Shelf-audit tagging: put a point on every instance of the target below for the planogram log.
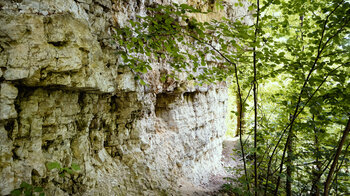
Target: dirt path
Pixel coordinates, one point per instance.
(215, 183)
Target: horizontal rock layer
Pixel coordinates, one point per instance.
(64, 99)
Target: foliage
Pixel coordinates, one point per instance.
(27, 190)
(169, 34)
(295, 57)
(63, 170)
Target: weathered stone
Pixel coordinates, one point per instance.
(16, 74)
(75, 105)
(8, 94)
(8, 91)
(7, 111)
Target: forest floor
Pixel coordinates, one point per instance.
(229, 160)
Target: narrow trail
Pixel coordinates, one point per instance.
(229, 159)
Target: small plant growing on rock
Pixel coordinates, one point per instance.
(27, 190)
(63, 170)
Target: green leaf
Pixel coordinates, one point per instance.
(143, 70)
(26, 186)
(142, 82)
(251, 8)
(53, 165)
(68, 170)
(75, 167)
(163, 78)
(38, 189)
(141, 43)
(16, 192)
(28, 193)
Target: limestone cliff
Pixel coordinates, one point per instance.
(64, 99)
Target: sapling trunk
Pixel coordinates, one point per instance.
(240, 115)
(289, 164)
(336, 157)
(315, 190)
(255, 101)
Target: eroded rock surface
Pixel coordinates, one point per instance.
(64, 99)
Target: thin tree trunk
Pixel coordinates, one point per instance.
(240, 134)
(289, 164)
(316, 173)
(342, 161)
(283, 156)
(240, 115)
(240, 109)
(255, 102)
(336, 157)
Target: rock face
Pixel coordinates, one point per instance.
(64, 99)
